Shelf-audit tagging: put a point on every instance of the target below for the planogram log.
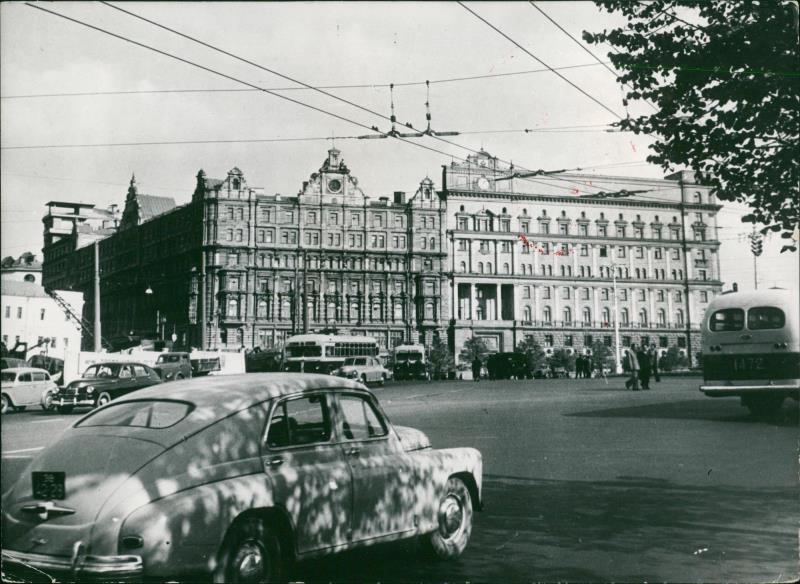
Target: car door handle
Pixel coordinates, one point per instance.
(353, 452)
(273, 462)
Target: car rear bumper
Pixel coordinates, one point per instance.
(734, 390)
(85, 568)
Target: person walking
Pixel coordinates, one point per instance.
(643, 356)
(654, 362)
(578, 367)
(633, 363)
(476, 368)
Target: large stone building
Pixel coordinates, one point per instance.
(539, 256)
(494, 253)
(236, 267)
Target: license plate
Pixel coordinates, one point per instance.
(741, 364)
(49, 485)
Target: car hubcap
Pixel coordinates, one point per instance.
(249, 562)
(451, 516)
(103, 400)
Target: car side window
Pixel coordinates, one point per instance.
(299, 422)
(38, 376)
(24, 377)
(360, 421)
(124, 372)
(139, 371)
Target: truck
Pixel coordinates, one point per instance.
(410, 362)
(173, 366)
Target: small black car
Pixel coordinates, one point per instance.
(508, 365)
(103, 382)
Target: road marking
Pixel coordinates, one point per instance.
(47, 421)
(21, 450)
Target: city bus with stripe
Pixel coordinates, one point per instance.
(751, 348)
(321, 353)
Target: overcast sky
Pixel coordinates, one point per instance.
(325, 44)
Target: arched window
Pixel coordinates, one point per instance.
(480, 267)
(526, 313)
(624, 316)
(424, 243)
(489, 268)
(563, 271)
(541, 270)
(261, 311)
(524, 269)
(398, 311)
(549, 270)
(547, 315)
(674, 274)
(638, 273)
(569, 270)
(587, 315)
(233, 307)
(679, 316)
(643, 317)
(354, 311)
(567, 315)
(236, 184)
(433, 243)
(644, 273)
(463, 266)
(506, 269)
(606, 316)
(662, 317)
(429, 311)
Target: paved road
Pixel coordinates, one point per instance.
(583, 482)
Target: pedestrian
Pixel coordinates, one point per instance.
(587, 367)
(633, 364)
(643, 356)
(476, 368)
(654, 362)
(579, 367)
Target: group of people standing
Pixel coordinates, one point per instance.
(642, 363)
(583, 367)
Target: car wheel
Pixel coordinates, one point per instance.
(102, 399)
(250, 553)
(179, 376)
(47, 401)
(364, 378)
(454, 521)
(383, 378)
(6, 404)
(64, 409)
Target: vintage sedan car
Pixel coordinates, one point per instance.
(234, 477)
(103, 382)
(21, 387)
(364, 369)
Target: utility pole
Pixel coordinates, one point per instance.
(682, 206)
(617, 357)
(756, 246)
(98, 345)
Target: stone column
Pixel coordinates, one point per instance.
(473, 301)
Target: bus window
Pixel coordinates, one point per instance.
(729, 319)
(765, 317)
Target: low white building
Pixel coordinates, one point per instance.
(30, 315)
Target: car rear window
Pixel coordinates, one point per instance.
(765, 317)
(728, 319)
(155, 414)
(8, 376)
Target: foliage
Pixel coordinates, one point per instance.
(724, 78)
(673, 360)
(440, 359)
(533, 352)
(602, 356)
(560, 358)
(473, 347)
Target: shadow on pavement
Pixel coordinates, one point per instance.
(630, 529)
(709, 410)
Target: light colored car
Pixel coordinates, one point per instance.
(235, 476)
(364, 369)
(25, 386)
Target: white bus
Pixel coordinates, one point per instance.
(751, 348)
(315, 353)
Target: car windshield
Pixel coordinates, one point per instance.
(405, 356)
(355, 361)
(8, 376)
(155, 414)
(102, 371)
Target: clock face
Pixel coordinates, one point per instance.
(483, 183)
(334, 185)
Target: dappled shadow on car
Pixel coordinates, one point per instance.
(715, 410)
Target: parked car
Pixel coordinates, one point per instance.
(102, 383)
(365, 369)
(234, 477)
(173, 366)
(23, 387)
(53, 365)
(508, 365)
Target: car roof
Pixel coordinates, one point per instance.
(26, 370)
(116, 363)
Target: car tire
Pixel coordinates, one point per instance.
(102, 399)
(5, 405)
(64, 409)
(364, 378)
(383, 378)
(454, 517)
(179, 376)
(47, 402)
(251, 552)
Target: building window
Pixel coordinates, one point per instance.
(679, 316)
(661, 316)
(604, 294)
(603, 251)
(547, 316)
(8, 312)
(19, 312)
(546, 293)
(583, 229)
(567, 313)
(563, 229)
(463, 224)
(568, 342)
(462, 245)
(624, 316)
(678, 296)
(626, 341)
(526, 292)
(544, 227)
(638, 233)
(643, 317)
(587, 316)
(525, 226)
(620, 232)
(703, 298)
(584, 250)
(607, 340)
(601, 230)
(681, 342)
(548, 340)
(505, 225)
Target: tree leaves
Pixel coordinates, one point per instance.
(725, 76)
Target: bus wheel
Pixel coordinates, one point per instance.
(763, 406)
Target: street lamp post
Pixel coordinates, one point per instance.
(617, 359)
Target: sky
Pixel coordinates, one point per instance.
(368, 45)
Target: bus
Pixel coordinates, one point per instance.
(410, 362)
(751, 348)
(319, 353)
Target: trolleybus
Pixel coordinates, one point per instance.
(318, 353)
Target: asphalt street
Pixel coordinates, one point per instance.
(583, 481)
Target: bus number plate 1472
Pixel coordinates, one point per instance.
(742, 364)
